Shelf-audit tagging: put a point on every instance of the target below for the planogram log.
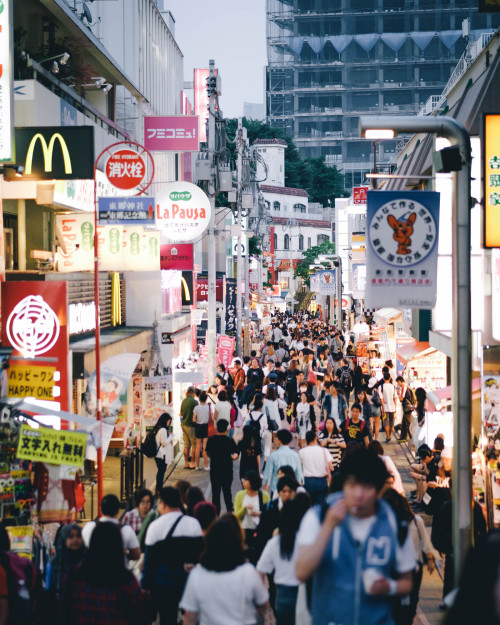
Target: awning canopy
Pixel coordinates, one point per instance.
(414, 348)
(442, 396)
(383, 316)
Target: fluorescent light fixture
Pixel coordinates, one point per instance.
(383, 133)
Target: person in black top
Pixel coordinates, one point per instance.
(222, 451)
(269, 520)
(250, 449)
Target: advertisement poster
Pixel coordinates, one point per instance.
(115, 376)
(52, 446)
(225, 350)
(230, 306)
(402, 249)
(177, 256)
(182, 211)
(176, 133)
(155, 397)
(491, 405)
(324, 282)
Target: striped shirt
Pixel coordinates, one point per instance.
(332, 445)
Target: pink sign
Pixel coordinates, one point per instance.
(177, 133)
(201, 99)
(225, 350)
(177, 256)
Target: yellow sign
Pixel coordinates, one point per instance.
(31, 381)
(492, 181)
(47, 153)
(52, 446)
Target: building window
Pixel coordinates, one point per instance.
(299, 208)
(277, 206)
(323, 238)
(275, 241)
(286, 242)
(301, 242)
(309, 243)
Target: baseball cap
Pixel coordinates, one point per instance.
(372, 382)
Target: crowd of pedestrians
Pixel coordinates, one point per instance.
(320, 531)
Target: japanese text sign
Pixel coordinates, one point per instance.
(231, 306)
(402, 248)
(125, 169)
(225, 350)
(491, 189)
(359, 195)
(31, 381)
(52, 446)
(177, 133)
(176, 256)
(138, 210)
(182, 211)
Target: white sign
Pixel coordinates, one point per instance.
(32, 327)
(6, 95)
(182, 211)
(323, 282)
(81, 318)
(402, 247)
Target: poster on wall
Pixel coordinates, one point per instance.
(155, 397)
(402, 249)
(115, 376)
(491, 405)
(141, 249)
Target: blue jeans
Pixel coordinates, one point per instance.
(317, 487)
(286, 600)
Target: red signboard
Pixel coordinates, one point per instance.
(359, 194)
(225, 350)
(35, 326)
(274, 290)
(175, 133)
(180, 257)
(202, 290)
(125, 169)
(201, 100)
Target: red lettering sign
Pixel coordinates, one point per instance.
(177, 256)
(125, 169)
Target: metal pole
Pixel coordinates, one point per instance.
(211, 244)
(461, 327)
(100, 474)
(339, 293)
(239, 267)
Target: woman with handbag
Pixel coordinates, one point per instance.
(272, 406)
(303, 419)
(249, 504)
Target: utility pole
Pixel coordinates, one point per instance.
(212, 255)
(239, 266)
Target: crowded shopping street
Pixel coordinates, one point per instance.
(249, 329)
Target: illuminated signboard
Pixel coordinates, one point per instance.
(6, 81)
(61, 153)
(491, 176)
(177, 133)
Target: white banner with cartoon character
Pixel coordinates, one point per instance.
(402, 249)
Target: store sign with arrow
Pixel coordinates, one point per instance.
(126, 211)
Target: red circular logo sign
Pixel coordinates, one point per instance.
(125, 169)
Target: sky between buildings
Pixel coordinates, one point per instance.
(233, 33)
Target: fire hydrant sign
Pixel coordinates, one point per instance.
(125, 169)
(31, 381)
(402, 249)
(52, 446)
(182, 211)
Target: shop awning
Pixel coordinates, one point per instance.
(412, 349)
(383, 316)
(442, 396)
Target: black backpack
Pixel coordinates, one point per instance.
(345, 377)
(149, 447)
(255, 426)
(376, 401)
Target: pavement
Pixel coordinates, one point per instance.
(428, 612)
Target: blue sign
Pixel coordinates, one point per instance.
(402, 249)
(126, 211)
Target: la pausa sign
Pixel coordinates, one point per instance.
(183, 211)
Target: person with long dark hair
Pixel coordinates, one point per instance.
(103, 591)
(223, 589)
(164, 441)
(421, 395)
(279, 557)
(250, 451)
(333, 440)
(69, 553)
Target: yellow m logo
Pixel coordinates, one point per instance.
(47, 153)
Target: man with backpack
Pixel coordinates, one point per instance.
(408, 403)
(350, 548)
(344, 377)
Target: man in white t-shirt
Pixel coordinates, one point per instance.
(173, 543)
(388, 405)
(316, 465)
(110, 507)
(355, 532)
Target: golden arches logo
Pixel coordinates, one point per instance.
(47, 153)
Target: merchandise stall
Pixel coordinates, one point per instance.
(423, 365)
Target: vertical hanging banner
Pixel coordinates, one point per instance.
(231, 306)
(225, 350)
(402, 249)
(201, 100)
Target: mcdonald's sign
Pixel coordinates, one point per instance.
(60, 153)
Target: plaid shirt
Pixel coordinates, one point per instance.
(99, 606)
(134, 519)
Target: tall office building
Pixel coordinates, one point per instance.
(330, 61)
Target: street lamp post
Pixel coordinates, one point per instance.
(385, 127)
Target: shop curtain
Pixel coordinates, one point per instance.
(422, 40)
